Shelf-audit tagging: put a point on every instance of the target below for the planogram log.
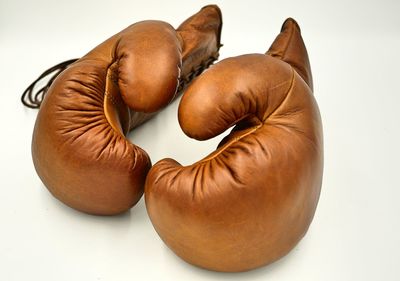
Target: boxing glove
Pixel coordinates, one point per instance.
(79, 146)
(250, 201)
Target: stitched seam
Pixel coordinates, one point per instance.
(112, 77)
(289, 91)
(231, 143)
(255, 128)
(110, 98)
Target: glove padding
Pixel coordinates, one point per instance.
(249, 202)
(79, 147)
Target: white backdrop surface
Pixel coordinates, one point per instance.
(354, 51)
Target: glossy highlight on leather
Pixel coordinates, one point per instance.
(79, 147)
(250, 201)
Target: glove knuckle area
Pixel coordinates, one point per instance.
(232, 90)
(79, 156)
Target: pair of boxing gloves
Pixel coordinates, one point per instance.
(246, 204)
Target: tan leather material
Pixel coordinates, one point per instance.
(79, 147)
(148, 46)
(208, 24)
(249, 202)
(289, 47)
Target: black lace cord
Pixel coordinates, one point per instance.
(33, 100)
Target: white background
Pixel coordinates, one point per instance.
(354, 50)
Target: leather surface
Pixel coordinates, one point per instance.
(251, 200)
(79, 147)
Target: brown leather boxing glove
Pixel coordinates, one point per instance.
(79, 147)
(249, 202)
